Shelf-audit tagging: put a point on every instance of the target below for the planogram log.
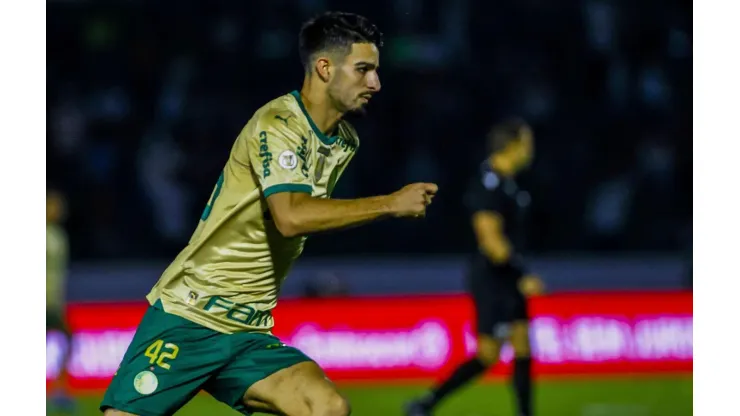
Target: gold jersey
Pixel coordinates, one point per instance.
(57, 256)
(229, 275)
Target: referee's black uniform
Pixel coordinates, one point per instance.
(495, 287)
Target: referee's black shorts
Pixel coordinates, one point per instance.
(498, 301)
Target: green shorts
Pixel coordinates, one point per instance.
(171, 359)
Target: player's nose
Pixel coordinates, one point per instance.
(373, 82)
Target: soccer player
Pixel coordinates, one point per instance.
(497, 278)
(210, 319)
(57, 253)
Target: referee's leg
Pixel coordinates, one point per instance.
(520, 342)
(490, 315)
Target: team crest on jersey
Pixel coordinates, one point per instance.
(288, 160)
(146, 382)
(304, 155)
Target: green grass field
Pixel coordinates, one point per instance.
(608, 397)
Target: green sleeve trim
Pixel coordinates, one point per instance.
(287, 187)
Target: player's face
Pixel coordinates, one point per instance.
(356, 79)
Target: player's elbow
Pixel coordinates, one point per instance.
(288, 225)
(286, 213)
(291, 223)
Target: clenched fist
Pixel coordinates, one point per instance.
(412, 200)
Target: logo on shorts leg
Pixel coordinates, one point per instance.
(273, 346)
(146, 382)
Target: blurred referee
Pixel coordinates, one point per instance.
(498, 280)
(57, 256)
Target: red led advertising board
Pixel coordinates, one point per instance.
(424, 337)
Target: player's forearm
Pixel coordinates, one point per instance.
(313, 215)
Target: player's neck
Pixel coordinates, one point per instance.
(318, 106)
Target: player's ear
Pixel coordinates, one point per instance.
(323, 69)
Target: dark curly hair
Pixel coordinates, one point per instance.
(335, 31)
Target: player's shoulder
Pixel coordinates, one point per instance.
(282, 113)
(279, 116)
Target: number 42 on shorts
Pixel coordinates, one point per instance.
(156, 354)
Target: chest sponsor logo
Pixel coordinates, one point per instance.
(243, 314)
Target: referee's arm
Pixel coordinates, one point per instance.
(493, 243)
(489, 233)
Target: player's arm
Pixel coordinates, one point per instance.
(299, 213)
(287, 188)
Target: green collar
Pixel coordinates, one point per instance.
(323, 137)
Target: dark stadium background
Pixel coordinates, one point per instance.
(144, 99)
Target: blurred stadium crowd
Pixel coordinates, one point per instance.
(145, 98)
